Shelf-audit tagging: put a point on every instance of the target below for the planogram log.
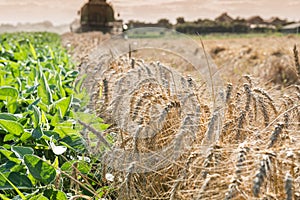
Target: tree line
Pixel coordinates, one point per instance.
(222, 24)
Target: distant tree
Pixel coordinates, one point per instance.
(240, 20)
(180, 20)
(165, 23)
(198, 21)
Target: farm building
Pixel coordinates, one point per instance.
(291, 28)
(224, 17)
(275, 21)
(255, 20)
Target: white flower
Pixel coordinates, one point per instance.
(86, 159)
(57, 150)
(109, 177)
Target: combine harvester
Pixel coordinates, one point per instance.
(97, 15)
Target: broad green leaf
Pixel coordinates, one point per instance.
(13, 186)
(9, 137)
(15, 68)
(40, 169)
(64, 104)
(75, 142)
(10, 156)
(44, 91)
(25, 136)
(37, 133)
(20, 55)
(12, 127)
(20, 151)
(21, 181)
(12, 105)
(8, 116)
(7, 91)
(55, 194)
(52, 134)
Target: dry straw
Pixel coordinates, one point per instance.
(247, 161)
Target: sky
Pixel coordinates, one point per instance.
(65, 11)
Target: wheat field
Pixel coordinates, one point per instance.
(176, 139)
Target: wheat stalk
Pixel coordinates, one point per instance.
(264, 169)
(228, 92)
(275, 134)
(288, 187)
(296, 58)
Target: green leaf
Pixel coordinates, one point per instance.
(101, 126)
(9, 137)
(65, 128)
(43, 107)
(33, 52)
(15, 68)
(52, 134)
(25, 136)
(40, 169)
(13, 186)
(82, 166)
(10, 156)
(55, 194)
(7, 91)
(64, 104)
(56, 118)
(44, 91)
(12, 127)
(79, 83)
(75, 142)
(73, 73)
(12, 105)
(36, 116)
(2, 196)
(88, 118)
(8, 116)
(20, 152)
(59, 85)
(39, 197)
(37, 133)
(19, 180)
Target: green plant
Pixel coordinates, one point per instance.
(42, 152)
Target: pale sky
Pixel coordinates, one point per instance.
(65, 11)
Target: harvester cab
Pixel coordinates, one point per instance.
(97, 15)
